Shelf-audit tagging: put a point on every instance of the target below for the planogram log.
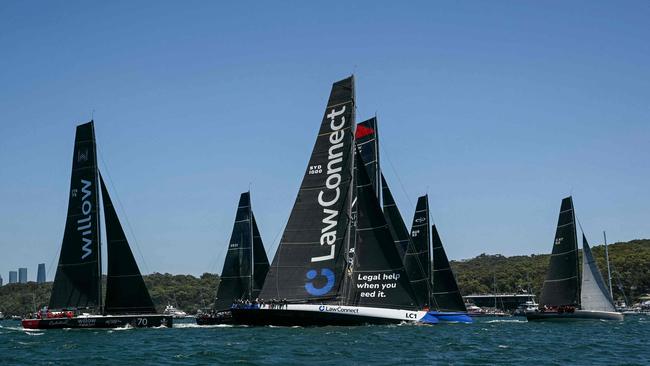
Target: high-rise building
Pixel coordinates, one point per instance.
(40, 277)
(22, 275)
(13, 276)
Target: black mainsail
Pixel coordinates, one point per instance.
(367, 141)
(417, 259)
(260, 260)
(77, 281)
(398, 229)
(378, 278)
(126, 292)
(561, 286)
(445, 294)
(236, 281)
(310, 261)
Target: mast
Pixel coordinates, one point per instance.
(609, 273)
(252, 256)
(98, 178)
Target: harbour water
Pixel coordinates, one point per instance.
(487, 341)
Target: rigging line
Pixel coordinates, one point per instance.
(54, 259)
(580, 225)
(126, 217)
(214, 262)
(390, 162)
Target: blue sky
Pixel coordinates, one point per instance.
(497, 109)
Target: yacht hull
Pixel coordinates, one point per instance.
(323, 315)
(574, 316)
(221, 317)
(451, 317)
(117, 321)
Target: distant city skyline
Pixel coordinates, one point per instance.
(497, 110)
(41, 276)
(13, 277)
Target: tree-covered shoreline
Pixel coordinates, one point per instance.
(630, 262)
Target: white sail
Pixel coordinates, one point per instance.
(594, 294)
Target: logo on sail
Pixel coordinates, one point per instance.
(320, 291)
(84, 224)
(82, 156)
(329, 196)
(558, 241)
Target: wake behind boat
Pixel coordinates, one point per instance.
(76, 299)
(564, 295)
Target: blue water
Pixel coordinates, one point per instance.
(495, 341)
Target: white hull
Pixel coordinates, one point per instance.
(314, 314)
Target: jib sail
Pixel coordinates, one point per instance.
(445, 293)
(594, 294)
(126, 292)
(260, 260)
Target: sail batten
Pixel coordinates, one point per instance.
(77, 283)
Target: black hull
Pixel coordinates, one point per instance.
(577, 315)
(136, 321)
(221, 317)
(300, 318)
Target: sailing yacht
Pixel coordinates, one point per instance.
(244, 268)
(421, 249)
(565, 295)
(337, 263)
(76, 299)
